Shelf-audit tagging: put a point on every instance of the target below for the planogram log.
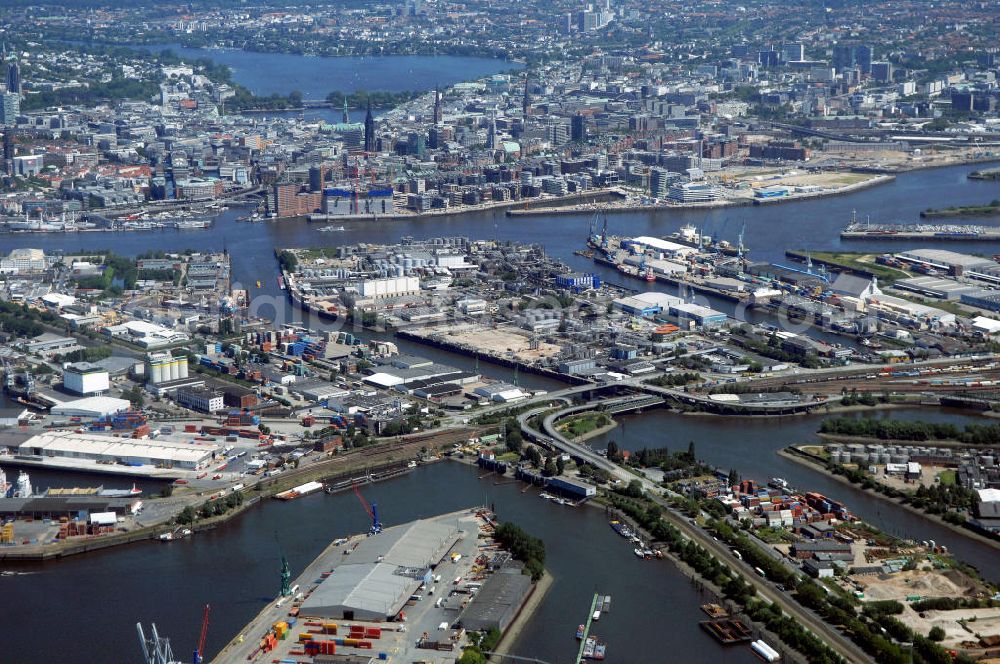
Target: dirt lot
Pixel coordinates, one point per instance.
(503, 341)
(917, 582)
(978, 623)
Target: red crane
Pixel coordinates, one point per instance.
(364, 503)
(201, 639)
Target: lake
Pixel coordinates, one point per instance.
(317, 76)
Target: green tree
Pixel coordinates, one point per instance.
(936, 633)
(550, 467)
(187, 516)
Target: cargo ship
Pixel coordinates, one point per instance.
(94, 491)
(299, 491)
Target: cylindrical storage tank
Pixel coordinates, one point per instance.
(183, 368)
(156, 370)
(175, 371)
(897, 458)
(884, 459)
(835, 457)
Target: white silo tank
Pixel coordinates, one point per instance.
(183, 368)
(156, 370)
(175, 371)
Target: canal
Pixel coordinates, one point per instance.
(750, 445)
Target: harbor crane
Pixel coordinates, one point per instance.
(372, 511)
(200, 652)
(156, 648)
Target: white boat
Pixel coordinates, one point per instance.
(329, 229)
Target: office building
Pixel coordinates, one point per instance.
(10, 108)
(864, 54)
(793, 53)
(201, 399)
(578, 128)
(317, 176)
(882, 72)
(13, 77)
(844, 57)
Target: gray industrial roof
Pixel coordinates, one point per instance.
(383, 571)
(415, 544)
(498, 601)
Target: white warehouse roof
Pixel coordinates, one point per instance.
(92, 407)
(97, 447)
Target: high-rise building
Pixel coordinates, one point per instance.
(10, 108)
(13, 78)
(526, 102)
(369, 129)
(578, 128)
(864, 54)
(587, 20)
(491, 135)
(345, 117)
(437, 106)
(844, 57)
(793, 53)
(882, 72)
(768, 58)
(317, 176)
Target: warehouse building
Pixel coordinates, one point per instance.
(689, 314)
(90, 407)
(497, 603)
(380, 575)
(85, 378)
(575, 488)
(952, 262)
(107, 449)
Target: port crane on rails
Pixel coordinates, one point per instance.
(199, 653)
(156, 648)
(372, 511)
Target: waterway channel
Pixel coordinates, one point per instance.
(235, 569)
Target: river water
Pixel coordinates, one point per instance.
(234, 568)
